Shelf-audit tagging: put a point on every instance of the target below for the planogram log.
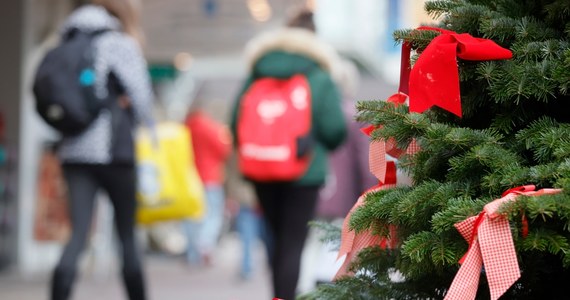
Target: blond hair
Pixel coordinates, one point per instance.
(128, 12)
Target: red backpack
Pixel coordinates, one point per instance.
(273, 129)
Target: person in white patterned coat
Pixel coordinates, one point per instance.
(102, 156)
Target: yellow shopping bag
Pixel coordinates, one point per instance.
(169, 187)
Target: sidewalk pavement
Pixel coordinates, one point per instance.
(168, 278)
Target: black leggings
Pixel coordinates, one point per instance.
(287, 210)
(83, 182)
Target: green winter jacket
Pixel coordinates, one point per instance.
(294, 51)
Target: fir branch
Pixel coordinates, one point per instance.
(446, 252)
(564, 181)
(545, 175)
(457, 210)
(528, 134)
(375, 260)
(438, 8)
(487, 70)
(529, 29)
(561, 72)
(466, 18)
(330, 233)
(566, 260)
(536, 51)
(378, 207)
(540, 207)
(418, 246)
(557, 12)
(479, 161)
(419, 39)
(436, 250)
(546, 140)
(499, 28)
(426, 165)
(368, 111)
(545, 240)
(562, 150)
(416, 208)
(500, 180)
(347, 288)
(505, 122)
(401, 127)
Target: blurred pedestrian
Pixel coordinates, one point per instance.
(247, 215)
(288, 53)
(211, 141)
(348, 177)
(102, 156)
(249, 222)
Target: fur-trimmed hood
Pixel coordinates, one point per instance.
(90, 18)
(296, 41)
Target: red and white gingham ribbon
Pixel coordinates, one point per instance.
(377, 161)
(351, 243)
(385, 171)
(491, 245)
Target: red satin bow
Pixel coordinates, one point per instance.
(490, 245)
(434, 79)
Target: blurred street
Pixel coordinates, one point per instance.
(169, 278)
(195, 53)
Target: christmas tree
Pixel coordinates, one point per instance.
(512, 129)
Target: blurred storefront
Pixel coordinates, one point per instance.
(194, 48)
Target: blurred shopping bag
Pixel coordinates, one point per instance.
(51, 220)
(169, 187)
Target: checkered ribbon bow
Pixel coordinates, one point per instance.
(377, 156)
(491, 245)
(350, 242)
(378, 149)
(385, 171)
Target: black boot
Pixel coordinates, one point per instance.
(61, 283)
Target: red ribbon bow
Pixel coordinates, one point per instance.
(490, 245)
(434, 79)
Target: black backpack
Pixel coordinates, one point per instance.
(64, 84)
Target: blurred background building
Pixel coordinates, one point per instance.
(194, 49)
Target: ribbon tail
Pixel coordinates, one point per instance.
(346, 239)
(405, 68)
(347, 235)
(466, 281)
(377, 159)
(343, 271)
(499, 256)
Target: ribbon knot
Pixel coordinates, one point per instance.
(377, 161)
(490, 245)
